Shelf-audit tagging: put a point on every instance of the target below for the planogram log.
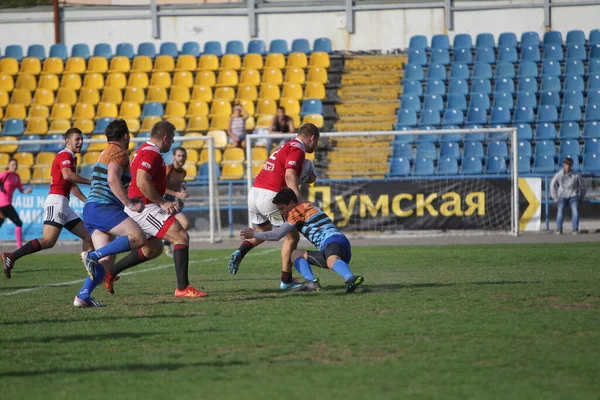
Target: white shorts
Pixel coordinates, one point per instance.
(153, 220)
(262, 209)
(58, 213)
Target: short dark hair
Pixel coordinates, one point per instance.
(72, 131)
(161, 129)
(176, 149)
(116, 130)
(285, 196)
(568, 160)
(282, 108)
(13, 159)
(309, 130)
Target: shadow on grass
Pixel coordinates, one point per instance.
(81, 337)
(162, 367)
(104, 318)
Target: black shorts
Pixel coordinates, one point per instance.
(10, 213)
(335, 248)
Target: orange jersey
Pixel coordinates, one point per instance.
(313, 223)
(100, 191)
(174, 174)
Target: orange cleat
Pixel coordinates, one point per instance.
(189, 291)
(109, 281)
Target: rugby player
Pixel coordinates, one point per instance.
(175, 172)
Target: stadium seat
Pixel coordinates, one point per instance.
(550, 99)
(423, 167)
(482, 71)
(406, 118)
(591, 163)
(447, 166)
(593, 67)
(179, 93)
(174, 109)
(575, 37)
(551, 68)
(471, 166)
(84, 111)
(103, 50)
(547, 114)
(593, 97)
(545, 131)
(225, 93)
(552, 38)
(53, 65)
(49, 81)
(481, 86)
(36, 51)
(459, 70)
(569, 148)
(476, 115)
(323, 45)
(523, 115)
(436, 86)
(510, 54)
(452, 117)
(89, 95)
(417, 57)
(485, 55)
(81, 50)
(157, 94)
(125, 50)
(525, 148)
(458, 86)
(15, 111)
(105, 110)
(500, 115)
(504, 100)
(554, 53)
(117, 80)
(440, 41)
(59, 126)
(21, 96)
(38, 111)
(93, 80)
(134, 94)
(164, 63)
(574, 82)
(7, 82)
(528, 69)
(14, 51)
(543, 164)
(231, 62)
(300, 46)
(592, 112)
(524, 132)
(399, 166)
(85, 125)
(220, 107)
(61, 111)
(30, 65)
(504, 85)
(227, 78)
(571, 114)
(112, 95)
(278, 46)
(463, 41)
(524, 165)
(13, 127)
(591, 129)
(319, 59)
(505, 69)
(251, 76)
(401, 150)
(146, 49)
(412, 87)
(142, 64)
(530, 39)
(545, 148)
(418, 42)
(295, 75)
(59, 50)
(576, 52)
(495, 165)
(190, 48)
(498, 149)
(433, 102)
(569, 130)
(594, 51)
(129, 110)
(413, 72)
(429, 117)
(527, 85)
(257, 47)
(593, 82)
(449, 149)
(234, 47)
(457, 101)
(530, 53)
(316, 119)
(198, 123)
(161, 80)
(168, 49)
(440, 56)
(485, 40)
(26, 82)
(462, 55)
(37, 126)
(551, 84)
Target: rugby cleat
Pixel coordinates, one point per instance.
(86, 303)
(234, 262)
(89, 264)
(109, 281)
(288, 286)
(7, 264)
(353, 282)
(190, 291)
(308, 286)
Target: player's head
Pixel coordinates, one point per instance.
(309, 134)
(179, 156)
(568, 164)
(280, 112)
(13, 164)
(117, 131)
(74, 139)
(162, 135)
(285, 200)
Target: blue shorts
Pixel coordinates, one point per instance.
(337, 244)
(102, 217)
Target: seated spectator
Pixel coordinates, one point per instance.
(237, 127)
(281, 123)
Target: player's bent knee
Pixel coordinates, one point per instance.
(331, 260)
(298, 254)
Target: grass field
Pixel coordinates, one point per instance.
(430, 322)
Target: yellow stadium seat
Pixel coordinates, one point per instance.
(21, 96)
(259, 154)
(149, 122)
(138, 79)
(204, 156)
(25, 174)
(231, 61)
(174, 109)
(98, 65)
(9, 66)
(254, 61)
(133, 124)
(61, 111)
(97, 146)
(192, 156)
(134, 94)
(157, 94)
(160, 79)
(53, 65)
(292, 90)
(59, 126)
(220, 107)
(44, 158)
(67, 96)
(120, 64)
(269, 91)
(186, 62)
(3, 98)
(219, 122)
(320, 59)
(192, 144)
(183, 78)
(26, 81)
(24, 159)
(314, 90)
(90, 157)
(316, 119)
(93, 80)
(297, 60)
(266, 107)
(227, 77)
(317, 74)
(295, 118)
(84, 111)
(89, 95)
(112, 95)
(190, 172)
(202, 93)
(4, 158)
(234, 154)
(295, 75)
(116, 80)
(232, 171)
(106, 110)
(256, 168)
(71, 81)
(250, 123)
(250, 76)
(85, 125)
(225, 93)
(30, 65)
(49, 81)
(248, 105)
(142, 64)
(75, 65)
(130, 110)
(275, 60)
(292, 106)
(37, 126)
(6, 82)
(220, 137)
(205, 78)
(41, 174)
(197, 108)
(208, 62)
(246, 92)
(164, 64)
(38, 111)
(179, 93)
(8, 148)
(17, 111)
(178, 122)
(198, 123)
(264, 121)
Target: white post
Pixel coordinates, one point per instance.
(211, 187)
(515, 182)
(249, 169)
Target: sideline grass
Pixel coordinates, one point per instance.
(430, 322)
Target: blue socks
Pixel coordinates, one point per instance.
(342, 269)
(90, 284)
(119, 245)
(304, 268)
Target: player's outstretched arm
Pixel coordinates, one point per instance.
(293, 182)
(144, 183)
(271, 236)
(70, 176)
(115, 172)
(78, 193)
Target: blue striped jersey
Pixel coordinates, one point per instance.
(100, 192)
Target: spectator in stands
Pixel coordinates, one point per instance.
(567, 188)
(281, 123)
(237, 126)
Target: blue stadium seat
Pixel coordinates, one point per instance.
(575, 37)
(507, 54)
(593, 97)
(569, 148)
(574, 67)
(523, 115)
(530, 53)
(457, 101)
(436, 71)
(527, 85)
(593, 82)
(125, 50)
(190, 49)
(433, 102)
(482, 70)
(300, 46)
(473, 148)
(152, 108)
(433, 138)
(497, 148)
(412, 87)
(400, 167)
(495, 165)
(14, 51)
(426, 150)
(554, 53)
(406, 118)
(440, 41)
(594, 51)
(477, 116)
(573, 97)
(402, 150)
(545, 148)
(507, 39)
(485, 55)
(524, 165)
(278, 46)
(459, 86)
(569, 130)
(452, 117)
(505, 69)
(524, 132)
(594, 37)
(321, 44)
(545, 131)
(13, 127)
(213, 47)
(463, 55)
(591, 146)
(500, 115)
(168, 49)
(476, 137)
(570, 114)
(575, 167)
(237, 47)
(593, 67)
(30, 148)
(436, 87)
(59, 50)
(450, 137)
(481, 86)
(576, 52)
(418, 42)
(86, 143)
(463, 41)
(447, 166)
(551, 67)
(449, 149)
(459, 70)
(315, 106)
(413, 72)
(36, 51)
(504, 85)
(408, 101)
(80, 50)
(574, 82)
(418, 57)
(504, 100)
(591, 129)
(528, 69)
(429, 117)
(204, 172)
(591, 163)
(547, 114)
(53, 147)
(423, 166)
(146, 49)
(543, 164)
(498, 136)
(440, 56)
(530, 39)
(101, 124)
(524, 148)
(485, 40)
(550, 99)
(103, 50)
(480, 100)
(258, 46)
(471, 166)
(592, 112)
(552, 38)
(551, 84)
